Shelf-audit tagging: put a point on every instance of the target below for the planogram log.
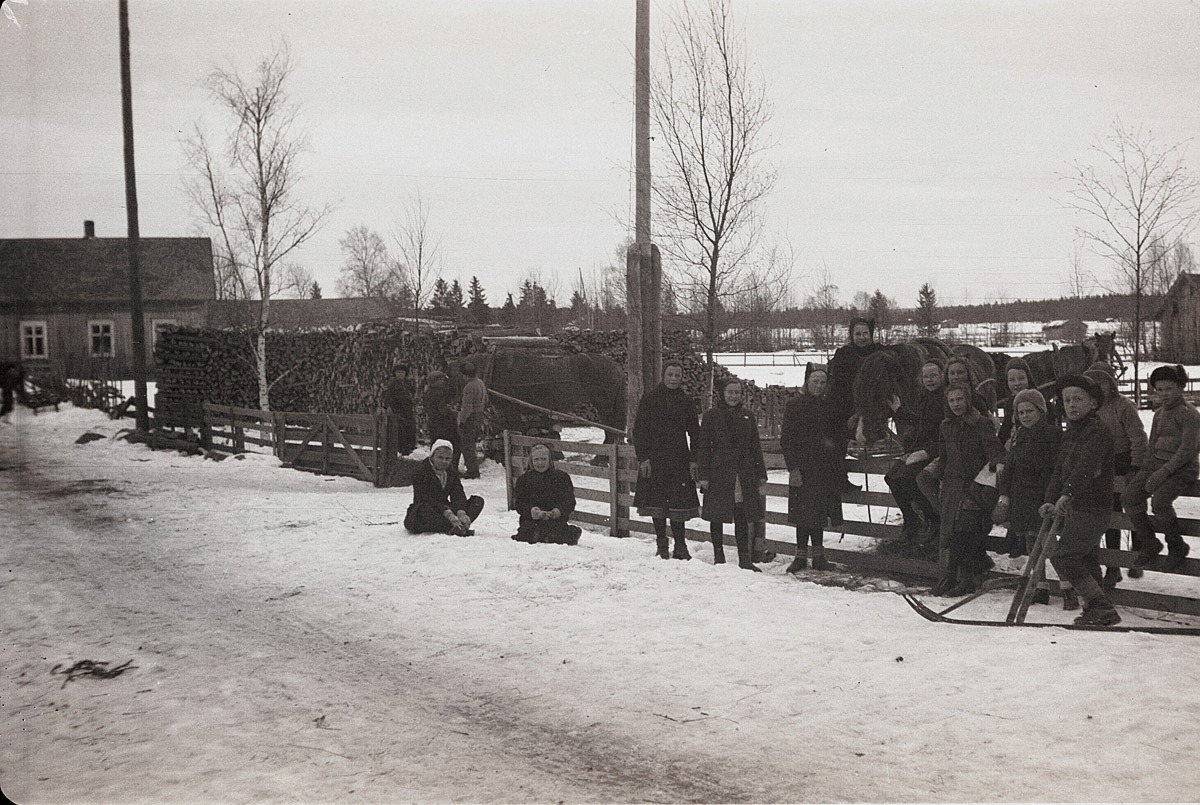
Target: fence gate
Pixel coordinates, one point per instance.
(322, 446)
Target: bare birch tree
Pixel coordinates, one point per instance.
(418, 253)
(246, 190)
(711, 114)
(368, 268)
(1136, 193)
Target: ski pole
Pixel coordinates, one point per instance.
(1034, 570)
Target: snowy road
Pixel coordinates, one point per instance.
(291, 644)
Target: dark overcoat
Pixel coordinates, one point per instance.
(729, 451)
(440, 416)
(966, 444)
(843, 368)
(666, 432)
(1028, 466)
(402, 417)
(431, 500)
(811, 444)
(547, 490)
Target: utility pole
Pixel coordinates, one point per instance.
(137, 318)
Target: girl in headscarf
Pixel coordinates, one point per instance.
(810, 446)
(440, 506)
(544, 497)
(731, 472)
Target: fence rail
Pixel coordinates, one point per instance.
(621, 475)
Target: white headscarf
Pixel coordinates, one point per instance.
(441, 443)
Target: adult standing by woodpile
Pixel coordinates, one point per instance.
(665, 434)
(470, 418)
(1080, 491)
(401, 411)
(1172, 465)
(439, 412)
(810, 441)
(544, 498)
(732, 473)
(843, 368)
(1120, 416)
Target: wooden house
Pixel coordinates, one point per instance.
(64, 302)
(1179, 317)
(1069, 330)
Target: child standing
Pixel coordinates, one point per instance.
(1028, 466)
(966, 444)
(1080, 491)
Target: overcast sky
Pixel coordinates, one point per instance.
(916, 141)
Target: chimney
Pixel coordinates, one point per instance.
(89, 230)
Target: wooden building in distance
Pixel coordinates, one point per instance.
(64, 302)
(1179, 319)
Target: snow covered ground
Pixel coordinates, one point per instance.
(290, 643)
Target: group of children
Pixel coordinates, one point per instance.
(1077, 458)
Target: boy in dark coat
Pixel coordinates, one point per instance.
(1172, 465)
(732, 473)
(810, 446)
(440, 506)
(918, 425)
(1080, 491)
(665, 433)
(544, 497)
(966, 444)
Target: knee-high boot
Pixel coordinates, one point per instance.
(660, 534)
(801, 560)
(681, 548)
(716, 532)
(818, 550)
(741, 535)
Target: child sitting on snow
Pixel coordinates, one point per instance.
(440, 506)
(544, 497)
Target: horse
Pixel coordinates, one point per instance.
(564, 382)
(894, 370)
(1047, 365)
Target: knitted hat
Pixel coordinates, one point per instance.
(1081, 382)
(1176, 373)
(1031, 396)
(813, 368)
(1018, 363)
(1104, 380)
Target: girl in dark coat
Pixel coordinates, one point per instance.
(439, 504)
(732, 473)
(918, 425)
(544, 497)
(811, 452)
(966, 444)
(664, 434)
(1028, 464)
(843, 367)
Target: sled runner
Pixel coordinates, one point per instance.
(1026, 584)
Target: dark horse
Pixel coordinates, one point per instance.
(1050, 364)
(12, 381)
(894, 370)
(565, 382)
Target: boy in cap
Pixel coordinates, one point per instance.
(1172, 465)
(1080, 491)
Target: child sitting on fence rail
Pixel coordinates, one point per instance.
(440, 506)
(544, 497)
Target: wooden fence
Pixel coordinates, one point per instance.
(621, 474)
(354, 445)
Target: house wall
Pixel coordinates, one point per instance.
(1180, 336)
(68, 337)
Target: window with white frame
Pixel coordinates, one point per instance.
(156, 328)
(101, 338)
(33, 339)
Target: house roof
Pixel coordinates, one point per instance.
(1184, 278)
(296, 314)
(40, 271)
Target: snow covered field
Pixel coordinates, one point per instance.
(290, 643)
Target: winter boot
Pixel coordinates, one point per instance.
(745, 557)
(664, 548)
(1177, 551)
(967, 584)
(718, 543)
(818, 551)
(761, 554)
(801, 560)
(1041, 596)
(1099, 612)
(1112, 577)
(1070, 599)
(681, 548)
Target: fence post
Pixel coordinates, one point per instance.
(239, 435)
(508, 469)
(278, 420)
(205, 429)
(385, 451)
(325, 446)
